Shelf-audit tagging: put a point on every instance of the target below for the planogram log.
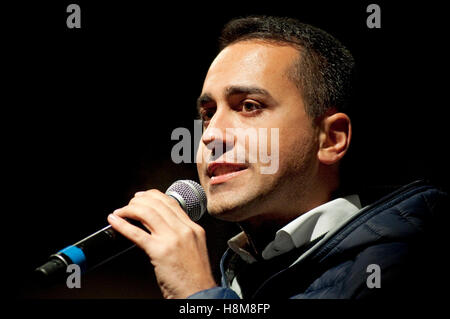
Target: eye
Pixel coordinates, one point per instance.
(251, 106)
(208, 113)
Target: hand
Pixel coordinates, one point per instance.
(176, 245)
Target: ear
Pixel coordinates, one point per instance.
(334, 138)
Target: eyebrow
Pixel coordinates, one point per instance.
(202, 100)
(234, 90)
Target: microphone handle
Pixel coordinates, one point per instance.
(99, 247)
(88, 253)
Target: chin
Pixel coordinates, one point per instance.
(239, 198)
(233, 208)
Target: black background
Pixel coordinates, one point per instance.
(88, 115)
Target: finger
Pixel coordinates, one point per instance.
(158, 199)
(162, 205)
(139, 193)
(138, 236)
(147, 216)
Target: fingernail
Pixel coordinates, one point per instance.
(138, 194)
(112, 217)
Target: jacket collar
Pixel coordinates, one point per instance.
(302, 230)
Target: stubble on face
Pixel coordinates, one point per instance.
(252, 193)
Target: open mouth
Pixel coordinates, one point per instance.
(221, 172)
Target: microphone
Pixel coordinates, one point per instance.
(107, 243)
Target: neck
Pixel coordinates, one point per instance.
(260, 232)
(261, 229)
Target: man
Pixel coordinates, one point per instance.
(299, 240)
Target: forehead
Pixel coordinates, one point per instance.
(252, 62)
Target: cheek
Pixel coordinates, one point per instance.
(297, 147)
(200, 160)
(199, 155)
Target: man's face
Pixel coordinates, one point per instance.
(247, 88)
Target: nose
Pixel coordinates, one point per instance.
(216, 136)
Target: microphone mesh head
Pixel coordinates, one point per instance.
(191, 197)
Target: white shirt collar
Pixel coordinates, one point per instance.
(303, 229)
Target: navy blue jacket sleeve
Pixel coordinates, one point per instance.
(215, 293)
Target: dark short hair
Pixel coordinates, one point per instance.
(325, 68)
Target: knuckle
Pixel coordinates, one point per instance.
(136, 200)
(166, 248)
(146, 197)
(172, 201)
(199, 230)
(164, 252)
(142, 242)
(133, 200)
(187, 233)
(136, 234)
(138, 237)
(153, 192)
(138, 210)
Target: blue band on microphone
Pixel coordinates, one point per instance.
(76, 255)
